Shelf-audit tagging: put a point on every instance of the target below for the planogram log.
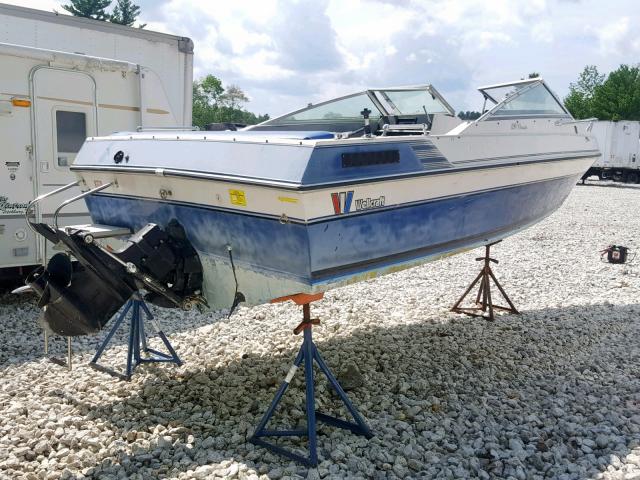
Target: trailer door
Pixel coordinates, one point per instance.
(623, 145)
(629, 151)
(64, 115)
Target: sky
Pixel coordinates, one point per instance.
(284, 53)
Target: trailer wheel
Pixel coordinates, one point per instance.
(632, 177)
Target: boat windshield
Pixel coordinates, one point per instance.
(523, 99)
(411, 102)
(408, 105)
(344, 109)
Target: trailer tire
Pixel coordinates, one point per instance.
(632, 177)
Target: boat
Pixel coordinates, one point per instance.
(328, 195)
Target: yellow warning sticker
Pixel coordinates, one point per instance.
(288, 199)
(237, 197)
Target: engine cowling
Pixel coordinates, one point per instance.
(81, 300)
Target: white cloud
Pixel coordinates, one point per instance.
(485, 40)
(285, 53)
(617, 38)
(542, 32)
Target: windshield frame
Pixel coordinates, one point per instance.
(529, 84)
(371, 93)
(276, 120)
(426, 88)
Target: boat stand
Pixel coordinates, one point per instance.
(308, 354)
(137, 341)
(56, 360)
(484, 300)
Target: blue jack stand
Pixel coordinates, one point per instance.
(308, 353)
(137, 341)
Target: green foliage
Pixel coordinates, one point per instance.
(615, 98)
(581, 93)
(534, 75)
(618, 98)
(212, 103)
(207, 91)
(94, 9)
(125, 13)
(233, 97)
(468, 115)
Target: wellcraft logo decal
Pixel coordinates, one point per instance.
(369, 203)
(343, 201)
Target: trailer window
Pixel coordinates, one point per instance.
(71, 132)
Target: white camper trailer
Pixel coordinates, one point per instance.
(63, 79)
(619, 143)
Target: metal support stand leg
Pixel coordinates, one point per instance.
(484, 301)
(137, 343)
(57, 360)
(308, 354)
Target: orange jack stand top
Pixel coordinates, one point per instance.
(303, 299)
(300, 298)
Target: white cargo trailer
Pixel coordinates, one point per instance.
(619, 143)
(62, 79)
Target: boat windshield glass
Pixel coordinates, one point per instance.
(534, 100)
(345, 109)
(412, 102)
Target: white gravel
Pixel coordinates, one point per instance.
(551, 393)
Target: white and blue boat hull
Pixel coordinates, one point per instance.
(281, 209)
(343, 233)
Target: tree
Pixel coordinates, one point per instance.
(534, 75)
(618, 97)
(125, 13)
(208, 90)
(206, 94)
(581, 93)
(94, 9)
(213, 104)
(233, 97)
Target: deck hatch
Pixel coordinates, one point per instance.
(363, 159)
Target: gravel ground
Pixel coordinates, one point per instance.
(551, 393)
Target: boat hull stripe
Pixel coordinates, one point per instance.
(341, 205)
(170, 172)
